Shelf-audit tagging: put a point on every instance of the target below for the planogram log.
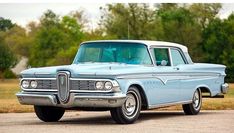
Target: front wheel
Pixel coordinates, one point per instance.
(194, 107)
(48, 113)
(130, 110)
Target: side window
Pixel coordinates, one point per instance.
(176, 57)
(162, 56)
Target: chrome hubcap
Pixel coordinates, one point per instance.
(196, 99)
(131, 104)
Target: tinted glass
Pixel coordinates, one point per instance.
(176, 57)
(133, 53)
(162, 56)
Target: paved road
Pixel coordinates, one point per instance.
(149, 121)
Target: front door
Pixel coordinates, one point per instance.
(166, 78)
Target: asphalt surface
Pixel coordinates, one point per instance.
(149, 122)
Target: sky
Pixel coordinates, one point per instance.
(23, 13)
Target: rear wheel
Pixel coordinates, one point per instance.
(48, 113)
(130, 110)
(194, 107)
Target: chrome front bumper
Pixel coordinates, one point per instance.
(75, 100)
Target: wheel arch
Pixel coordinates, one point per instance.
(143, 95)
(204, 90)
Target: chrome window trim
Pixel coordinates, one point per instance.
(110, 41)
(169, 55)
(169, 50)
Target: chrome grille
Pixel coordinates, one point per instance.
(74, 84)
(46, 84)
(63, 86)
(82, 85)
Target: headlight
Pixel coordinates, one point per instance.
(34, 84)
(25, 84)
(108, 85)
(99, 85)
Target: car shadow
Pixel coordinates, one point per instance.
(106, 119)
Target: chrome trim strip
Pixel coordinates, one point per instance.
(91, 79)
(42, 73)
(187, 74)
(38, 79)
(170, 56)
(91, 91)
(37, 90)
(168, 104)
(119, 96)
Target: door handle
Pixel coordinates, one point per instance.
(176, 68)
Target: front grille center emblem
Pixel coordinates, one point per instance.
(63, 86)
(62, 80)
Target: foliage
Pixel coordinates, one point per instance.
(7, 58)
(54, 40)
(5, 24)
(54, 35)
(178, 25)
(218, 43)
(8, 74)
(17, 40)
(205, 13)
(130, 21)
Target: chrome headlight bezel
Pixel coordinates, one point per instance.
(34, 84)
(99, 85)
(25, 84)
(108, 85)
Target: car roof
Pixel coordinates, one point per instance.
(147, 42)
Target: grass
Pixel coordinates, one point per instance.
(9, 102)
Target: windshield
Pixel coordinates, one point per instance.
(117, 52)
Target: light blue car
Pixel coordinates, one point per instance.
(123, 76)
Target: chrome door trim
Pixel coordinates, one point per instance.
(169, 104)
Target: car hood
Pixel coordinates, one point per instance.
(89, 69)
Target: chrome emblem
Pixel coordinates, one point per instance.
(63, 86)
(62, 80)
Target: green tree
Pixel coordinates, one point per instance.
(5, 24)
(7, 58)
(17, 40)
(131, 21)
(177, 24)
(204, 12)
(54, 34)
(218, 44)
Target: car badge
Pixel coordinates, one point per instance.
(62, 80)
